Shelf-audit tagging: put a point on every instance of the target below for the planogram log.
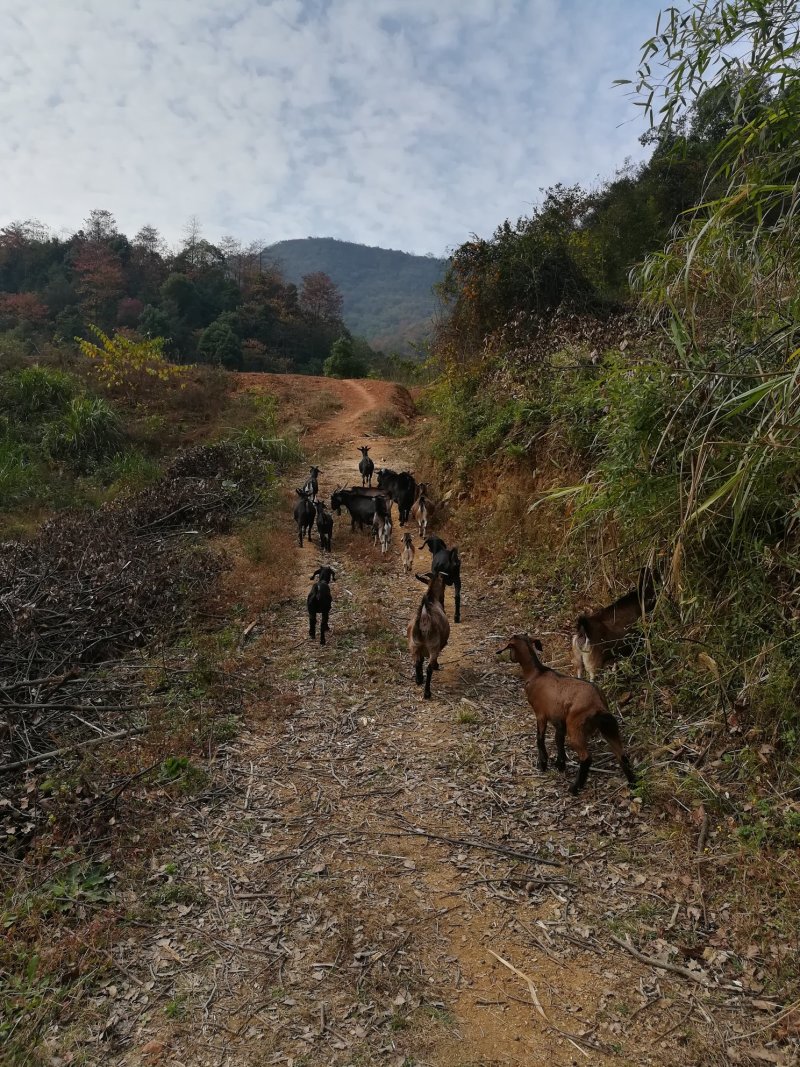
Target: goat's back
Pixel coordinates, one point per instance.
(319, 599)
(429, 630)
(558, 696)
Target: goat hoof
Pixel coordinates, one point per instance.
(427, 696)
(542, 765)
(574, 790)
(561, 765)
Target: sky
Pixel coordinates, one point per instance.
(407, 124)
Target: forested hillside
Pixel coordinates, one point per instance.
(218, 304)
(388, 295)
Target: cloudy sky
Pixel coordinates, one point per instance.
(403, 123)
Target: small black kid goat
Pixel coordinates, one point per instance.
(366, 468)
(319, 602)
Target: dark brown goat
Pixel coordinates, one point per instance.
(429, 630)
(602, 636)
(577, 710)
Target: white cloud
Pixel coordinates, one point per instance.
(408, 123)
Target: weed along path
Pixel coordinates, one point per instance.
(372, 878)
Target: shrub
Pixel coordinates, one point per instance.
(88, 431)
(35, 391)
(128, 471)
(125, 362)
(344, 361)
(219, 344)
(19, 477)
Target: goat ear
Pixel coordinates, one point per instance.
(424, 578)
(537, 644)
(314, 575)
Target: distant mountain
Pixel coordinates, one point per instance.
(387, 294)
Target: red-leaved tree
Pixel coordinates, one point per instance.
(320, 297)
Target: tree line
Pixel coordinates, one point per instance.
(218, 303)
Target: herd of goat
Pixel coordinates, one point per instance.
(575, 707)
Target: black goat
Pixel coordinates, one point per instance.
(446, 561)
(361, 507)
(311, 485)
(324, 526)
(365, 466)
(398, 487)
(303, 515)
(319, 601)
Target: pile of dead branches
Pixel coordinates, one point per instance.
(91, 588)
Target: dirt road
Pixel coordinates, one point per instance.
(378, 879)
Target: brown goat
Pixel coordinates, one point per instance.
(421, 511)
(577, 710)
(429, 630)
(602, 636)
(408, 553)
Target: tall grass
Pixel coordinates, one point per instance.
(259, 412)
(87, 431)
(32, 392)
(20, 478)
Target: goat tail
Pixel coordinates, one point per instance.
(425, 622)
(582, 631)
(608, 727)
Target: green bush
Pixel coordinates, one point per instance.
(33, 392)
(88, 431)
(474, 422)
(345, 361)
(20, 475)
(128, 471)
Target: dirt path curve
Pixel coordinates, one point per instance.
(366, 860)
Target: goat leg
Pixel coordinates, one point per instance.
(457, 588)
(561, 759)
(609, 728)
(583, 773)
(540, 732)
(323, 628)
(418, 671)
(577, 657)
(312, 624)
(628, 770)
(428, 673)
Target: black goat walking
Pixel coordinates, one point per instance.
(312, 486)
(319, 601)
(448, 562)
(304, 515)
(366, 467)
(398, 487)
(324, 526)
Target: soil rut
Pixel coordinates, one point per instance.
(343, 893)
